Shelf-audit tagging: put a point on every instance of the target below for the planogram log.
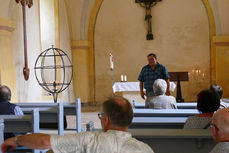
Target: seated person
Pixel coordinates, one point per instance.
(6, 108)
(116, 116)
(218, 89)
(220, 131)
(207, 103)
(160, 100)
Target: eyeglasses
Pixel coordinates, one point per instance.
(100, 115)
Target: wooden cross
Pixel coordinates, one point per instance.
(148, 4)
(24, 3)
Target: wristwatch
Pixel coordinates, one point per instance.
(16, 140)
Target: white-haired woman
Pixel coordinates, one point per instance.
(161, 100)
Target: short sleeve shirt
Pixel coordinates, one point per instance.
(111, 141)
(148, 76)
(222, 147)
(161, 102)
(18, 111)
(196, 122)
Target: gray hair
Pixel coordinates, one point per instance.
(159, 87)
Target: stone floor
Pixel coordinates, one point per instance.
(85, 118)
(89, 113)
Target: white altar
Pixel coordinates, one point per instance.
(131, 90)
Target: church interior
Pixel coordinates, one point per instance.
(189, 36)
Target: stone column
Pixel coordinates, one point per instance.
(81, 78)
(7, 65)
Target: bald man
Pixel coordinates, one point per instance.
(220, 131)
(116, 116)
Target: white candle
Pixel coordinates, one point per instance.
(125, 78)
(121, 77)
(111, 62)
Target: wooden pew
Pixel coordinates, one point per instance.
(21, 124)
(164, 112)
(176, 140)
(48, 114)
(158, 123)
(74, 109)
(161, 118)
(1, 132)
(187, 105)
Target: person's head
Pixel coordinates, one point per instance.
(5, 93)
(208, 101)
(218, 89)
(152, 59)
(159, 87)
(117, 114)
(220, 125)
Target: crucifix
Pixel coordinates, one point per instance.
(148, 4)
(24, 3)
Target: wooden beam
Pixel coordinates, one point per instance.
(220, 40)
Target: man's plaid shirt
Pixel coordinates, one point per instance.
(148, 76)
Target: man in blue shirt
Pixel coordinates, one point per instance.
(150, 73)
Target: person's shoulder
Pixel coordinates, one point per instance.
(222, 147)
(146, 66)
(172, 98)
(13, 105)
(160, 65)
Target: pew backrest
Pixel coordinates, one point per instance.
(49, 109)
(176, 140)
(25, 123)
(186, 105)
(49, 113)
(21, 124)
(164, 112)
(74, 109)
(161, 118)
(158, 123)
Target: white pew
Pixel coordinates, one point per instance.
(176, 140)
(158, 123)
(47, 109)
(74, 109)
(49, 113)
(1, 132)
(161, 118)
(21, 124)
(188, 105)
(164, 112)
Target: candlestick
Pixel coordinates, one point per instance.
(125, 78)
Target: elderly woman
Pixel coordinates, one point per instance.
(160, 100)
(208, 102)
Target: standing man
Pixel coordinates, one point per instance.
(150, 73)
(116, 116)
